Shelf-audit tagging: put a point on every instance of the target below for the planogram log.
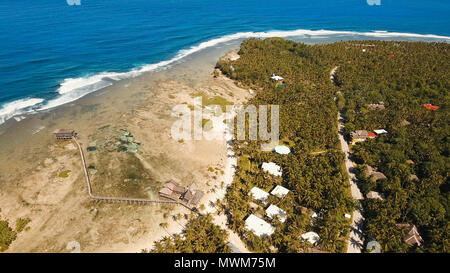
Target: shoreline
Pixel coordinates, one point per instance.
(29, 163)
(81, 87)
(118, 106)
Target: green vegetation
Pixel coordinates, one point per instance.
(134, 177)
(7, 235)
(404, 76)
(207, 124)
(21, 224)
(308, 123)
(215, 100)
(200, 236)
(63, 174)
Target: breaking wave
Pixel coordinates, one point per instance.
(72, 89)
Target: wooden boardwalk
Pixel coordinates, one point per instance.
(117, 199)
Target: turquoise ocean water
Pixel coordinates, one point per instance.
(54, 51)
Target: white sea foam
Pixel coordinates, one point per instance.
(74, 88)
(17, 108)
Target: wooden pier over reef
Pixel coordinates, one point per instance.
(71, 135)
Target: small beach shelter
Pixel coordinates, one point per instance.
(279, 191)
(276, 78)
(258, 226)
(272, 168)
(259, 194)
(282, 150)
(380, 131)
(311, 237)
(273, 211)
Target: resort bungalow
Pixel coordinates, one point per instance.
(272, 168)
(413, 177)
(165, 192)
(311, 237)
(189, 196)
(273, 211)
(259, 194)
(173, 186)
(380, 132)
(258, 226)
(65, 134)
(412, 237)
(276, 78)
(372, 172)
(376, 106)
(279, 191)
(361, 135)
(375, 195)
(192, 197)
(431, 107)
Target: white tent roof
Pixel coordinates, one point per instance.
(373, 247)
(258, 226)
(259, 194)
(348, 216)
(311, 237)
(272, 168)
(282, 150)
(277, 78)
(273, 211)
(280, 191)
(381, 131)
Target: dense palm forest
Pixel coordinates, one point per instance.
(314, 170)
(200, 236)
(414, 153)
(401, 75)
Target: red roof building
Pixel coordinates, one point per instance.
(431, 107)
(371, 135)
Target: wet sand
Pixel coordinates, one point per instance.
(32, 162)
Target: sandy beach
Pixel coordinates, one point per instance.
(42, 179)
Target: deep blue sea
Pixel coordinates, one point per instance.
(52, 52)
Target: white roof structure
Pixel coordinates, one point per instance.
(373, 247)
(279, 191)
(311, 237)
(282, 150)
(272, 168)
(348, 216)
(258, 226)
(273, 211)
(380, 132)
(314, 215)
(259, 194)
(276, 78)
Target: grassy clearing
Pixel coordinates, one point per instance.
(215, 100)
(21, 224)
